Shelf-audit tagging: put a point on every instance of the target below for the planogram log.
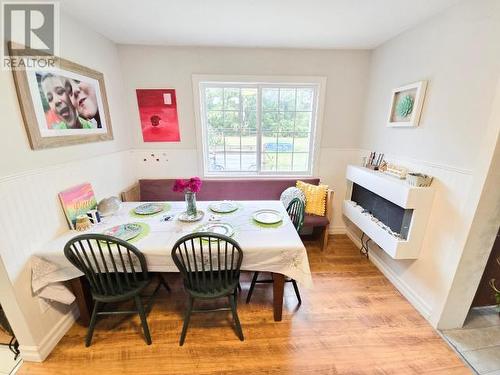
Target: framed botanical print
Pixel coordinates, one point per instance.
(406, 105)
(63, 105)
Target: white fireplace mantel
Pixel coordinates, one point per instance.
(397, 191)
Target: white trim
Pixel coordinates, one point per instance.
(316, 82)
(337, 229)
(38, 353)
(415, 300)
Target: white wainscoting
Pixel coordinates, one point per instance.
(425, 281)
(31, 215)
(332, 167)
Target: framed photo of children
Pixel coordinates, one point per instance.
(63, 105)
(158, 115)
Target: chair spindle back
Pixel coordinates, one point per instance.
(296, 212)
(208, 262)
(111, 266)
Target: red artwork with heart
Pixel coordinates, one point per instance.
(158, 114)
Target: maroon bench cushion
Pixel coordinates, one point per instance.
(315, 221)
(237, 189)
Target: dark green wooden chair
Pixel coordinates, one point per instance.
(116, 271)
(296, 212)
(210, 266)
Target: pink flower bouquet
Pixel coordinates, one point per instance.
(193, 185)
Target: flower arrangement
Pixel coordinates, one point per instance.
(191, 185)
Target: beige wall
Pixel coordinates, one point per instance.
(30, 181)
(458, 52)
(172, 67)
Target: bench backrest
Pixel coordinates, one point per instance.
(237, 189)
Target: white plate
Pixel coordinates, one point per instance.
(223, 207)
(267, 216)
(217, 228)
(149, 208)
(189, 219)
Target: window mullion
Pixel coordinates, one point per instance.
(259, 129)
(241, 125)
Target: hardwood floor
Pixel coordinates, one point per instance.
(352, 322)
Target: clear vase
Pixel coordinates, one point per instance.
(190, 203)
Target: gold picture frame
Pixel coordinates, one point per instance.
(55, 118)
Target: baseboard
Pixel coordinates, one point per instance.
(38, 353)
(415, 300)
(338, 229)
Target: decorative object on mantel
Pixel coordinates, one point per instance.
(418, 179)
(64, 106)
(189, 188)
(374, 161)
(108, 206)
(76, 201)
(158, 115)
(396, 171)
(406, 105)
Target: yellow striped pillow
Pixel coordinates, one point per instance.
(315, 197)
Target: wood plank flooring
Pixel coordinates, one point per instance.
(352, 322)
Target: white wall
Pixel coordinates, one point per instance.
(458, 52)
(484, 203)
(173, 67)
(30, 181)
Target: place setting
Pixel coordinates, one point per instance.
(130, 232)
(150, 209)
(267, 218)
(224, 207)
(216, 227)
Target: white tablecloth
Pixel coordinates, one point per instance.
(273, 249)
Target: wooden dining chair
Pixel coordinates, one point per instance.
(296, 212)
(210, 266)
(116, 271)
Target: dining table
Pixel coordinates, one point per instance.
(275, 248)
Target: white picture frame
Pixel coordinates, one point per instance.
(413, 93)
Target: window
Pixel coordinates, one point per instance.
(258, 128)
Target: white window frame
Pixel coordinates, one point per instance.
(202, 80)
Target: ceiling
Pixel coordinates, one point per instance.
(254, 23)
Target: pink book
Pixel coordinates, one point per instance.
(77, 201)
